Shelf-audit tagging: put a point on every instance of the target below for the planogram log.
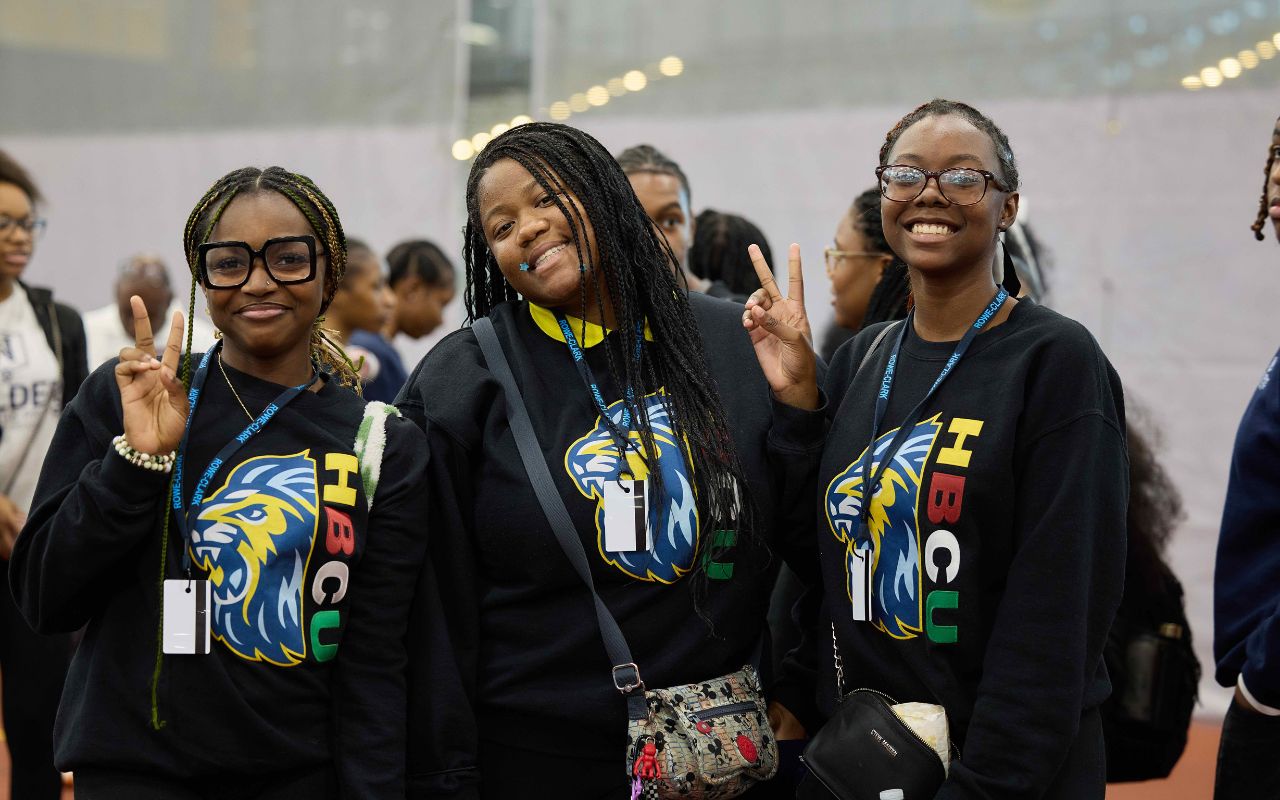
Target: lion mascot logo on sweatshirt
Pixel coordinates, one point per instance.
(254, 537)
(896, 587)
(594, 459)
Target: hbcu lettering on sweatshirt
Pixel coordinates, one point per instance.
(906, 527)
(256, 538)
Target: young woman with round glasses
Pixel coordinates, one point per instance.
(207, 516)
(984, 573)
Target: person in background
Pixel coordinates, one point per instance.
(361, 307)
(719, 253)
(868, 282)
(109, 329)
(422, 279)
(42, 364)
(663, 191)
(1246, 593)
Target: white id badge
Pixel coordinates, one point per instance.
(626, 516)
(860, 584)
(186, 617)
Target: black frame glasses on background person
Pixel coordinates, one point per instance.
(961, 186)
(32, 225)
(228, 265)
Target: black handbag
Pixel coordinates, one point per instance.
(1154, 676)
(865, 749)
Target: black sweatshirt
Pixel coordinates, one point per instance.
(1000, 533)
(530, 654)
(287, 538)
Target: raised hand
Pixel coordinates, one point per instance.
(153, 399)
(780, 333)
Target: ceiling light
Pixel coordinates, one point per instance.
(1211, 77)
(1266, 50)
(1248, 59)
(1192, 82)
(499, 129)
(672, 66)
(616, 87)
(1230, 68)
(578, 102)
(597, 95)
(634, 80)
(521, 119)
(480, 140)
(559, 111)
(478, 34)
(462, 149)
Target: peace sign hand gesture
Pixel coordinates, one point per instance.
(780, 333)
(152, 398)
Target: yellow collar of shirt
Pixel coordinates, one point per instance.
(546, 322)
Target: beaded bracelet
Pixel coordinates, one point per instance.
(159, 463)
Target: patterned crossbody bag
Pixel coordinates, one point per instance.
(705, 740)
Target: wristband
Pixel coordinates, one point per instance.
(158, 463)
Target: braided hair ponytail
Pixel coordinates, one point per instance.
(1260, 220)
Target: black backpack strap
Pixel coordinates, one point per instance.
(626, 675)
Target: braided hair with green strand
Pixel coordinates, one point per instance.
(634, 274)
(323, 218)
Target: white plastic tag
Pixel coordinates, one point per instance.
(626, 516)
(860, 584)
(186, 617)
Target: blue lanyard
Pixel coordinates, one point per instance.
(870, 480)
(619, 432)
(188, 520)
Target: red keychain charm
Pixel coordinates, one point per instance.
(646, 767)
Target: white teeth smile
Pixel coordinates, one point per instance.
(929, 227)
(548, 254)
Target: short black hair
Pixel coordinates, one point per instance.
(942, 108)
(719, 251)
(358, 253)
(12, 172)
(420, 258)
(647, 158)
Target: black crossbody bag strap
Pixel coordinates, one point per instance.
(626, 675)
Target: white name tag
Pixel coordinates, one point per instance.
(186, 617)
(860, 584)
(626, 516)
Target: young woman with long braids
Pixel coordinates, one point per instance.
(1246, 632)
(563, 261)
(993, 545)
(237, 468)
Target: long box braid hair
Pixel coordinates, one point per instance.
(635, 262)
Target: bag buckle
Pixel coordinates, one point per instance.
(624, 682)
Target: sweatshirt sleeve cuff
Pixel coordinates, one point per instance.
(130, 483)
(798, 429)
(1258, 705)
